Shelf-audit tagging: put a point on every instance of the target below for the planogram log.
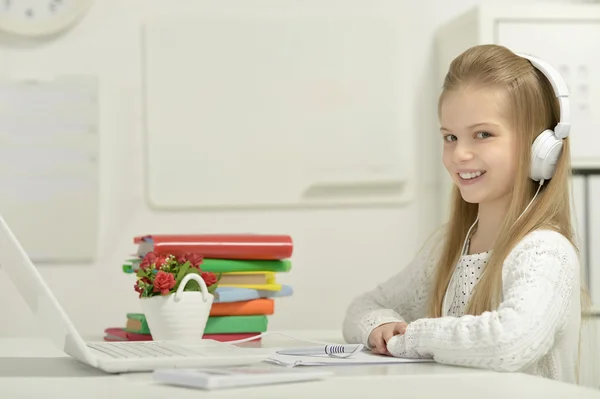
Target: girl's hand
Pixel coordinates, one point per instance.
(381, 335)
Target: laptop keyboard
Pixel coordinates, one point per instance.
(143, 349)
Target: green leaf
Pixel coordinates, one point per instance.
(141, 273)
(192, 285)
(182, 271)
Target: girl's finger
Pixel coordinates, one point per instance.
(387, 335)
(400, 328)
(380, 344)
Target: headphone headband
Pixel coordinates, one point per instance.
(561, 90)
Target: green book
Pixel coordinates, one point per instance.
(229, 265)
(236, 324)
(235, 265)
(137, 324)
(214, 324)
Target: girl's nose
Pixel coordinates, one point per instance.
(462, 153)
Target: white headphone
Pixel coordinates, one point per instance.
(547, 147)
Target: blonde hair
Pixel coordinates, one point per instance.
(533, 108)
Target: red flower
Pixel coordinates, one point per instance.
(148, 260)
(160, 260)
(209, 278)
(194, 259)
(137, 289)
(153, 258)
(137, 286)
(163, 282)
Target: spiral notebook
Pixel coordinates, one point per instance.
(362, 357)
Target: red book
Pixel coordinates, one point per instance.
(118, 334)
(218, 246)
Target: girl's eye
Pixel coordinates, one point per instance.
(449, 137)
(483, 135)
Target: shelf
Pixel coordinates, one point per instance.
(587, 164)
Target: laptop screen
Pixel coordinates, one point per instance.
(49, 314)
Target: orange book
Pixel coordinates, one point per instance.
(260, 306)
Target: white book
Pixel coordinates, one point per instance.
(231, 377)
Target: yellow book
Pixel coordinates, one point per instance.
(253, 280)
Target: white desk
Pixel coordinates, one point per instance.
(33, 368)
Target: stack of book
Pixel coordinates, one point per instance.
(246, 293)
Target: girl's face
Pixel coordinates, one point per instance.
(480, 149)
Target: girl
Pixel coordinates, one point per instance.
(498, 286)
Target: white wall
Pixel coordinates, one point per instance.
(338, 253)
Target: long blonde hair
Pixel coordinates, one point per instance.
(533, 108)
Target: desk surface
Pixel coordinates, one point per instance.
(31, 368)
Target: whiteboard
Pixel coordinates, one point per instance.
(273, 111)
(49, 166)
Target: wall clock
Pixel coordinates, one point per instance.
(31, 18)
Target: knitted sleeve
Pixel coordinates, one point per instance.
(539, 278)
(403, 297)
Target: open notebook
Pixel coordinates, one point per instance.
(363, 357)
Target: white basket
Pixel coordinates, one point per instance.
(181, 316)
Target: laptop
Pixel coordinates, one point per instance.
(111, 357)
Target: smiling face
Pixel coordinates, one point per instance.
(480, 150)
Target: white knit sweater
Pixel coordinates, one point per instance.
(534, 330)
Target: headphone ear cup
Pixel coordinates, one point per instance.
(545, 151)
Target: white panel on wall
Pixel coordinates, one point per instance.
(579, 218)
(571, 47)
(49, 166)
(586, 187)
(273, 111)
(594, 238)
